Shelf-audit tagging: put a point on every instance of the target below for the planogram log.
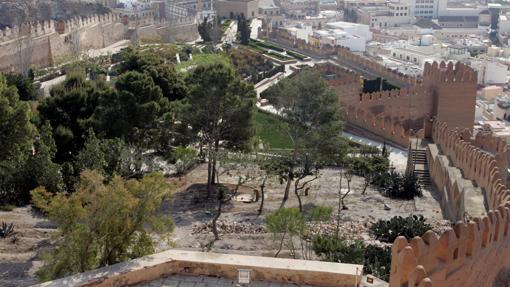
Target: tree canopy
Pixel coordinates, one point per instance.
(220, 109)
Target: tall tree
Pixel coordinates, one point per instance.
(312, 115)
(219, 112)
(243, 29)
(163, 74)
(24, 84)
(16, 141)
(132, 112)
(68, 108)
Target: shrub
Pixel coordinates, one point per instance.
(319, 213)
(376, 260)
(409, 227)
(337, 249)
(278, 56)
(269, 46)
(7, 229)
(401, 186)
(102, 224)
(296, 55)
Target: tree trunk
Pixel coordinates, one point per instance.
(347, 193)
(262, 186)
(215, 173)
(286, 193)
(209, 174)
(296, 192)
(365, 186)
(339, 210)
(215, 220)
(281, 244)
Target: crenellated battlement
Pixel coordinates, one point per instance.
(62, 27)
(449, 73)
(383, 125)
(37, 29)
(471, 253)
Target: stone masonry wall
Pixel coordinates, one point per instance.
(39, 44)
(472, 253)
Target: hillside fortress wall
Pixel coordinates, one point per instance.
(41, 44)
(438, 107)
(475, 251)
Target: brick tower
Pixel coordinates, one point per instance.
(453, 92)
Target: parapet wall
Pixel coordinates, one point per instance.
(473, 253)
(191, 263)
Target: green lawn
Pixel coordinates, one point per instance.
(203, 59)
(267, 129)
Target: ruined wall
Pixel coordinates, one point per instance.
(472, 253)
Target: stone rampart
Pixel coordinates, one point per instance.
(472, 253)
(453, 91)
(41, 44)
(382, 125)
(458, 196)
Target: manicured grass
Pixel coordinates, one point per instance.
(279, 56)
(296, 55)
(203, 59)
(268, 130)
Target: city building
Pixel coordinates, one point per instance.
(233, 8)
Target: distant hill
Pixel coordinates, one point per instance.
(14, 12)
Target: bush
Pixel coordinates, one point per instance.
(278, 56)
(268, 46)
(7, 229)
(401, 186)
(376, 260)
(409, 227)
(296, 55)
(102, 224)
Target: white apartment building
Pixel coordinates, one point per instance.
(360, 30)
(490, 72)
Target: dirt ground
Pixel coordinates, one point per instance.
(191, 214)
(20, 260)
(241, 229)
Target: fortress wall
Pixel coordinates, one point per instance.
(381, 125)
(472, 253)
(41, 43)
(453, 89)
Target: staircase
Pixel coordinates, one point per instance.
(417, 161)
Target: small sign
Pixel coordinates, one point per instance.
(243, 276)
(370, 280)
